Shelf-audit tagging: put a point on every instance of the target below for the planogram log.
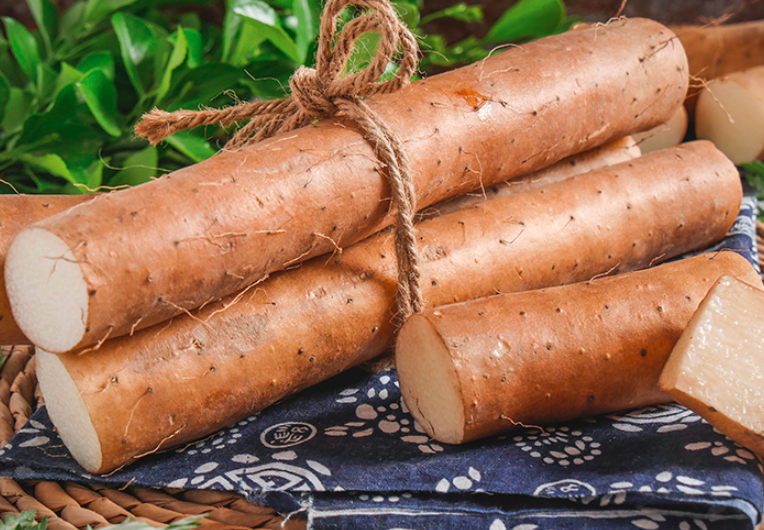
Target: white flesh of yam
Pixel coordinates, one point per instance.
(717, 366)
(730, 113)
(665, 135)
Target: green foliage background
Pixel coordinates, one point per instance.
(72, 89)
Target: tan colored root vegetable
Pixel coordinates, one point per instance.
(600, 157)
(717, 50)
(730, 113)
(139, 256)
(665, 135)
(478, 368)
(21, 211)
(18, 212)
(179, 381)
(717, 366)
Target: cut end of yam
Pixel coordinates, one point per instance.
(716, 368)
(730, 113)
(429, 385)
(67, 411)
(46, 290)
(665, 135)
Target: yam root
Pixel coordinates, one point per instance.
(730, 113)
(665, 135)
(600, 157)
(479, 368)
(140, 256)
(717, 365)
(717, 50)
(20, 211)
(179, 381)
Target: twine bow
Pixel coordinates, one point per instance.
(322, 93)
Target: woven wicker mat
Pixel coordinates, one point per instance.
(69, 506)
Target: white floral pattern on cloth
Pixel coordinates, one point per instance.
(377, 412)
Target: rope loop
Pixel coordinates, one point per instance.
(324, 92)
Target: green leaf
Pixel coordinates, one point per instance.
(195, 55)
(527, 19)
(50, 163)
(72, 20)
(201, 85)
(192, 146)
(5, 95)
(139, 167)
(64, 130)
(100, 95)
(138, 44)
(19, 103)
(69, 75)
(45, 15)
(408, 13)
(306, 27)
(24, 47)
(98, 10)
(103, 61)
(46, 82)
(264, 19)
(177, 57)
(461, 11)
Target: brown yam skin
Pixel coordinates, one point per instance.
(600, 157)
(717, 50)
(18, 212)
(568, 352)
(302, 326)
(202, 232)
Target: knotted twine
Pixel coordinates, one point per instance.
(321, 93)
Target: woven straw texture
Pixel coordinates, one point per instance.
(70, 506)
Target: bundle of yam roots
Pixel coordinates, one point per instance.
(167, 311)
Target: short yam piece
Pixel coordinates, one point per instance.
(482, 367)
(730, 113)
(717, 367)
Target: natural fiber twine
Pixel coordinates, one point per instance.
(324, 92)
(70, 506)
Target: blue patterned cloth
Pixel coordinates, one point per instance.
(347, 454)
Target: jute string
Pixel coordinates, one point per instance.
(322, 93)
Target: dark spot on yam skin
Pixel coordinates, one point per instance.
(92, 292)
(434, 283)
(312, 358)
(374, 329)
(590, 398)
(643, 352)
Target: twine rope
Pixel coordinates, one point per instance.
(322, 93)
